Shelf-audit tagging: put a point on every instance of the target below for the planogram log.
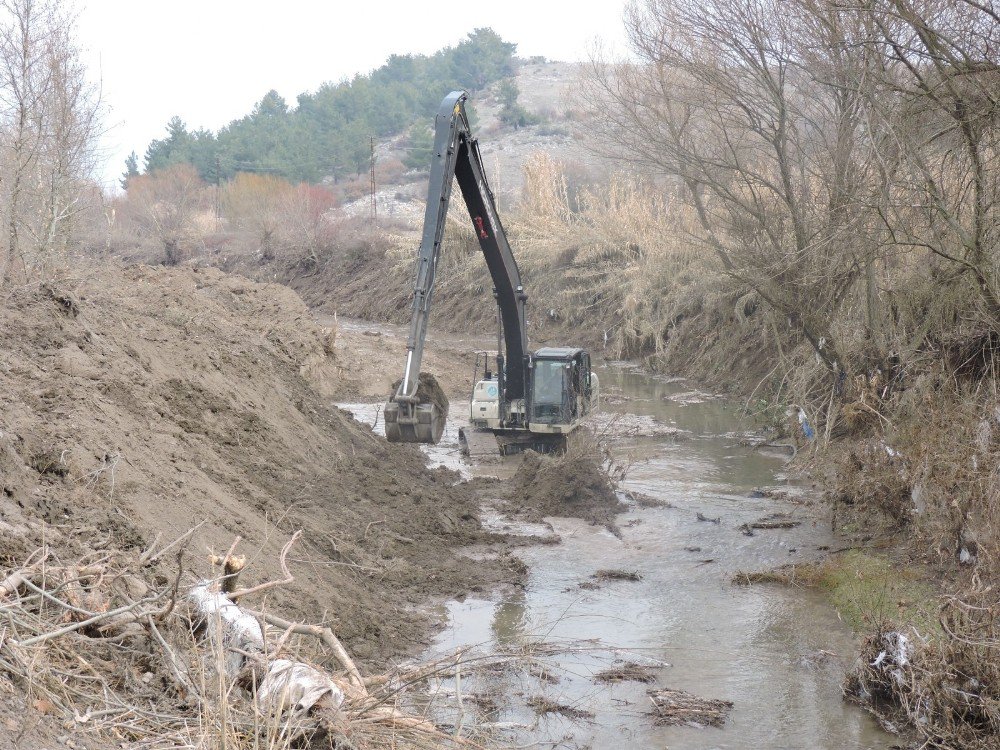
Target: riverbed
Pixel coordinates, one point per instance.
(531, 657)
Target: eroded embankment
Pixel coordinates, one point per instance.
(138, 403)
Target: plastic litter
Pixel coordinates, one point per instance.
(807, 429)
(295, 687)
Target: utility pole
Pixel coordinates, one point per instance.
(218, 189)
(374, 204)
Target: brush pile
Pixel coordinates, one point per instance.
(945, 688)
(677, 707)
(131, 650)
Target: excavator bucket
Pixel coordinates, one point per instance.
(413, 423)
(419, 418)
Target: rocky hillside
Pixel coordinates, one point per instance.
(547, 91)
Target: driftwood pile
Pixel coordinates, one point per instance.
(630, 671)
(676, 707)
(122, 653)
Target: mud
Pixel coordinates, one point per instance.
(429, 391)
(369, 358)
(575, 485)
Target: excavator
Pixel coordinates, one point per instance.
(525, 399)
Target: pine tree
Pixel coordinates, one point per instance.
(131, 170)
(174, 149)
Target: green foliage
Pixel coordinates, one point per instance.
(328, 132)
(420, 142)
(181, 146)
(131, 170)
(483, 58)
(867, 589)
(511, 112)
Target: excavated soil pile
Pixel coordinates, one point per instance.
(574, 484)
(137, 402)
(429, 391)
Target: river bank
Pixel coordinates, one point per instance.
(154, 419)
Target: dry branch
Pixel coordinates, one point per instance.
(233, 670)
(673, 707)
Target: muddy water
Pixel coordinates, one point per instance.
(777, 653)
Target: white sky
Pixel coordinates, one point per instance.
(209, 61)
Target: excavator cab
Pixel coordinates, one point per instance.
(560, 391)
(563, 389)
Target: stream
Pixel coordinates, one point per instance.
(778, 653)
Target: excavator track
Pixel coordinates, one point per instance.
(484, 443)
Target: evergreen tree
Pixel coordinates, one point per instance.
(327, 133)
(511, 112)
(420, 143)
(174, 149)
(131, 170)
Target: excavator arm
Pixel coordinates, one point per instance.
(409, 415)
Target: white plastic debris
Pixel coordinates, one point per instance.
(916, 495)
(902, 647)
(984, 435)
(294, 687)
(287, 686)
(895, 656)
(239, 631)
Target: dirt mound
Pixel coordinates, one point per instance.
(144, 401)
(574, 484)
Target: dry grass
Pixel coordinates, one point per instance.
(931, 471)
(614, 258)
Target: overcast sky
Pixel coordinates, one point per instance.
(209, 61)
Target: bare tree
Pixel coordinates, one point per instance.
(166, 204)
(72, 123)
(260, 206)
(744, 103)
(934, 107)
(48, 126)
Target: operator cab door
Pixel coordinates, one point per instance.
(561, 389)
(550, 387)
(585, 388)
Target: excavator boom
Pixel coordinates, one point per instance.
(415, 412)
